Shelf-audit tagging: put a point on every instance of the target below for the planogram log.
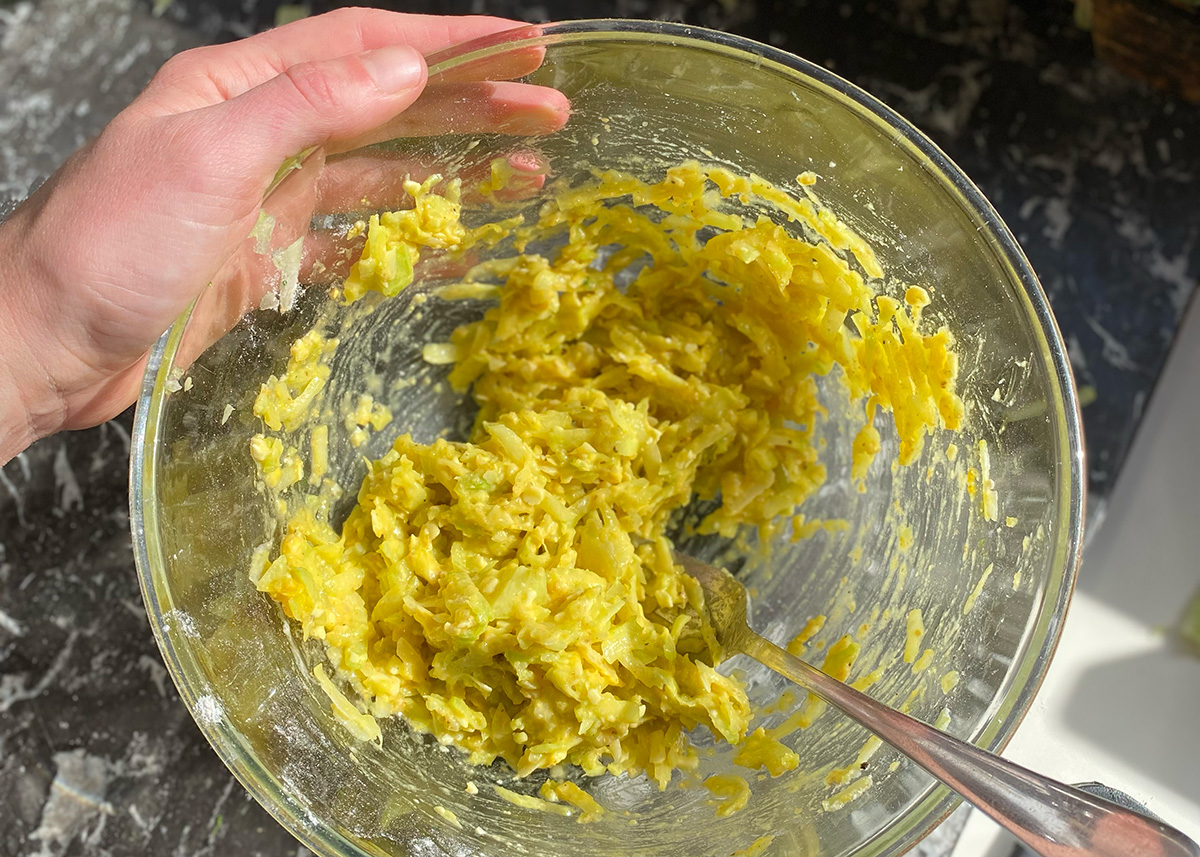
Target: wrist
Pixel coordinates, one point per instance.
(30, 407)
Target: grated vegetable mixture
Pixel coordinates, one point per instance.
(514, 594)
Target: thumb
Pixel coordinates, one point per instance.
(314, 103)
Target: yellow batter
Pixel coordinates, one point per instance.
(515, 595)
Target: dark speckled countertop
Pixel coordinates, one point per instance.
(1095, 173)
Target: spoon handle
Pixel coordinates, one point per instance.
(1051, 818)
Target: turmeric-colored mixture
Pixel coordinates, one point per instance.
(515, 594)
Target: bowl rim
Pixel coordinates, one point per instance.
(1022, 682)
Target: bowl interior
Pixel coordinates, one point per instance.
(644, 97)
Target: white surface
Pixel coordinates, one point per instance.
(1121, 703)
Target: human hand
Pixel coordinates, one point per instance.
(116, 245)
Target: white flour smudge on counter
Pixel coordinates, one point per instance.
(75, 806)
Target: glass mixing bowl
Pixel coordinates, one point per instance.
(643, 96)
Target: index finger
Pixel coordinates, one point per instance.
(210, 75)
(346, 31)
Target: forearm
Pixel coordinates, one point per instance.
(16, 429)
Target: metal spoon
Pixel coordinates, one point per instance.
(1051, 818)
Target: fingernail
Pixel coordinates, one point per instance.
(394, 68)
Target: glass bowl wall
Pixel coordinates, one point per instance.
(643, 96)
